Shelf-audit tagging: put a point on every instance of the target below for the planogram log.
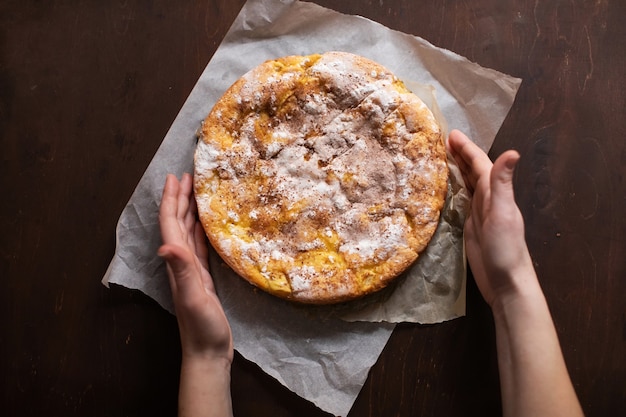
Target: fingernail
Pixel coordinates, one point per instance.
(510, 163)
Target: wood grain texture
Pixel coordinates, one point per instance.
(88, 91)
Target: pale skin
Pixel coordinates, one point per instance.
(534, 378)
(206, 339)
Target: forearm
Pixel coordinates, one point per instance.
(204, 388)
(534, 378)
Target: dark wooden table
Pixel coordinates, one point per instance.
(88, 91)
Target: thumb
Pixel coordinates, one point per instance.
(181, 266)
(501, 179)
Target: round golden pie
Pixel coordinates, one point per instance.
(320, 178)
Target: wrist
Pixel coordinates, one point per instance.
(524, 292)
(215, 352)
(214, 371)
(207, 362)
(204, 386)
(534, 378)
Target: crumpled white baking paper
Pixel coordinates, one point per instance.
(318, 353)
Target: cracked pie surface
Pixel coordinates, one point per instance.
(320, 178)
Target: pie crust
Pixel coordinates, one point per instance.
(320, 178)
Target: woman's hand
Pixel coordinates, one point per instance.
(205, 335)
(204, 329)
(494, 230)
(533, 376)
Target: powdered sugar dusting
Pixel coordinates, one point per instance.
(206, 158)
(330, 150)
(301, 277)
(377, 240)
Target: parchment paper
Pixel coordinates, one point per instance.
(318, 352)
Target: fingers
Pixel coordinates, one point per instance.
(170, 196)
(200, 245)
(472, 161)
(184, 193)
(491, 185)
(184, 247)
(501, 181)
(168, 210)
(183, 273)
(187, 212)
(177, 213)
